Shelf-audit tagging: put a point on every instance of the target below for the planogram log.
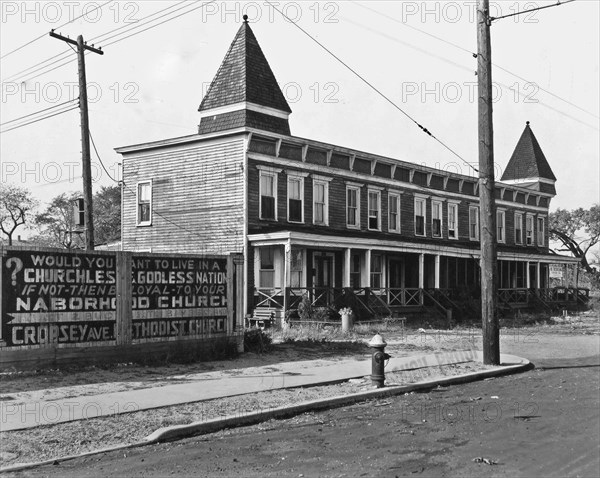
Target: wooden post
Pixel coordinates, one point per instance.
(85, 134)
(487, 207)
(124, 320)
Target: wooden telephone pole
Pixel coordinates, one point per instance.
(487, 203)
(85, 135)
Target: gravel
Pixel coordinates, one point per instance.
(61, 440)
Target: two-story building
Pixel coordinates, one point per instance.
(342, 226)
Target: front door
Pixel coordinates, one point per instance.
(323, 278)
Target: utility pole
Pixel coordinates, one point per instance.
(85, 135)
(487, 203)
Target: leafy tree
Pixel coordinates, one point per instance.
(578, 231)
(56, 224)
(57, 227)
(107, 214)
(16, 207)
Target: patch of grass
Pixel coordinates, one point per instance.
(334, 333)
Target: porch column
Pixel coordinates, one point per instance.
(421, 276)
(287, 272)
(527, 278)
(368, 267)
(538, 281)
(346, 272)
(437, 271)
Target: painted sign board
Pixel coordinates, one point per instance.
(57, 298)
(178, 296)
(556, 271)
(67, 298)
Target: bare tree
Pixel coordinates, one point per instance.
(16, 206)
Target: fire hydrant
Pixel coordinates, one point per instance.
(378, 360)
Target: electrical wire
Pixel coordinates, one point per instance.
(64, 24)
(557, 4)
(474, 55)
(374, 88)
(100, 159)
(138, 24)
(158, 24)
(17, 77)
(38, 112)
(40, 119)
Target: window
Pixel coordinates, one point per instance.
(541, 233)
(295, 199)
(501, 226)
(267, 267)
(453, 221)
(419, 216)
(320, 201)
(374, 210)
(376, 271)
(436, 219)
(268, 195)
(355, 271)
(474, 223)
(518, 228)
(144, 204)
(353, 206)
(529, 230)
(296, 268)
(394, 212)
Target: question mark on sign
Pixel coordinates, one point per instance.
(18, 266)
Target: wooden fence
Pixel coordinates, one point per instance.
(96, 306)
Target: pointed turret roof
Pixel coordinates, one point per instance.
(244, 92)
(528, 160)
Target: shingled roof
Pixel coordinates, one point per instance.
(528, 160)
(245, 75)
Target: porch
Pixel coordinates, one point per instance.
(298, 275)
(323, 303)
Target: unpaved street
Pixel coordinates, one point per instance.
(544, 422)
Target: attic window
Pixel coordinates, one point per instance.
(290, 151)
(263, 146)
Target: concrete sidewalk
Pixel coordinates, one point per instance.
(201, 387)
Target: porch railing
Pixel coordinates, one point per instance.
(382, 301)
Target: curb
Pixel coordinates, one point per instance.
(175, 432)
(251, 418)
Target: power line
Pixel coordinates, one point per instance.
(16, 75)
(557, 4)
(64, 24)
(545, 90)
(129, 28)
(416, 29)
(38, 112)
(138, 24)
(158, 24)
(421, 127)
(40, 119)
(443, 40)
(100, 159)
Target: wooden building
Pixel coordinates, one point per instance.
(336, 225)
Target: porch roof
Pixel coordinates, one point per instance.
(306, 239)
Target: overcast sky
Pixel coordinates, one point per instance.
(419, 54)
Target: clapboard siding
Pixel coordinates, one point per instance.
(337, 207)
(197, 199)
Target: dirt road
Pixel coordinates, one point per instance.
(545, 422)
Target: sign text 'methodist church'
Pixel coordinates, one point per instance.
(316, 218)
